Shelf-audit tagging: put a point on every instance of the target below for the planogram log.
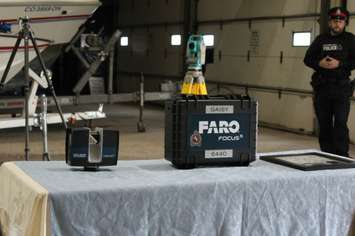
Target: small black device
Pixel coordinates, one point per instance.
(207, 130)
(92, 148)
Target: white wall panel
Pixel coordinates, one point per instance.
(264, 67)
(221, 9)
(273, 110)
(297, 112)
(351, 26)
(125, 11)
(152, 52)
(269, 107)
(150, 47)
(226, 9)
(261, 71)
(140, 12)
(351, 6)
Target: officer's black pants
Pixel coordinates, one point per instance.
(332, 106)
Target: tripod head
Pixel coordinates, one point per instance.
(24, 23)
(25, 33)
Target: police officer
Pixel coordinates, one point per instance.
(332, 56)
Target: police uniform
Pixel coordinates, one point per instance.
(332, 89)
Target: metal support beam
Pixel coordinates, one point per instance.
(117, 51)
(190, 25)
(190, 16)
(344, 4)
(110, 73)
(325, 6)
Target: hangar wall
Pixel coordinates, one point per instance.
(265, 41)
(149, 49)
(256, 52)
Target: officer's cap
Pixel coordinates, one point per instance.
(338, 13)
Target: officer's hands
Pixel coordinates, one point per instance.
(333, 63)
(329, 63)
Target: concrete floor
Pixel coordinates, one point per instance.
(134, 145)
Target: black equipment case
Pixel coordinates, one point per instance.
(205, 130)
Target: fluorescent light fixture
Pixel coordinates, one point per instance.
(175, 40)
(209, 40)
(124, 41)
(301, 39)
